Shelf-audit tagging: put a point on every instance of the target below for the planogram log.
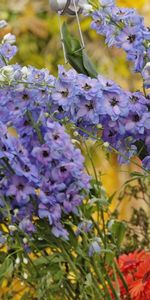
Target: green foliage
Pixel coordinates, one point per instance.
(75, 55)
(118, 230)
(6, 268)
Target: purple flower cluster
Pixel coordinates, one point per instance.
(40, 180)
(91, 103)
(88, 103)
(124, 28)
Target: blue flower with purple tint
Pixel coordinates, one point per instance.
(146, 75)
(94, 248)
(8, 51)
(20, 190)
(26, 225)
(146, 162)
(116, 104)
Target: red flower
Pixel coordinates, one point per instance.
(140, 288)
(135, 268)
(129, 263)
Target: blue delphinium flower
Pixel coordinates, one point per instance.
(146, 75)
(94, 247)
(146, 162)
(137, 102)
(125, 29)
(84, 227)
(20, 189)
(26, 225)
(116, 104)
(8, 51)
(50, 176)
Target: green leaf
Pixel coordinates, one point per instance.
(54, 258)
(89, 65)
(6, 268)
(2, 256)
(137, 174)
(118, 231)
(75, 55)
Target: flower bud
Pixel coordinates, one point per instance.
(106, 144)
(58, 5)
(25, 275)
(3, 23)
(9, 38)
(25, 240)
(17, 261)
(25, 260)
(12, 228)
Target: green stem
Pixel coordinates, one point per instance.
(4, 60)
(35, 126)
(117, 291)
(69, 290)
(74, 269)
(101, 279)
(98, 229)
(122, 279)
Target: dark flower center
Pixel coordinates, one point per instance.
(89, 106)
(136, 118)
(111, 133)
(56, 137)
(4, 148)
(45, 153)
(87, 87)
(131, 38)
(134, 99)
(114, 101)
(43, 92)
(65, 93)
(63, 169)
(60, 109)
(108, 84)
(26, 168)
(26, 123)
(25, 97)
(8, 51)
(47, 193)
(20, 187)
(64, 74)
(98, 22)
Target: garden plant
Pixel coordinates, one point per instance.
(60, 235)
